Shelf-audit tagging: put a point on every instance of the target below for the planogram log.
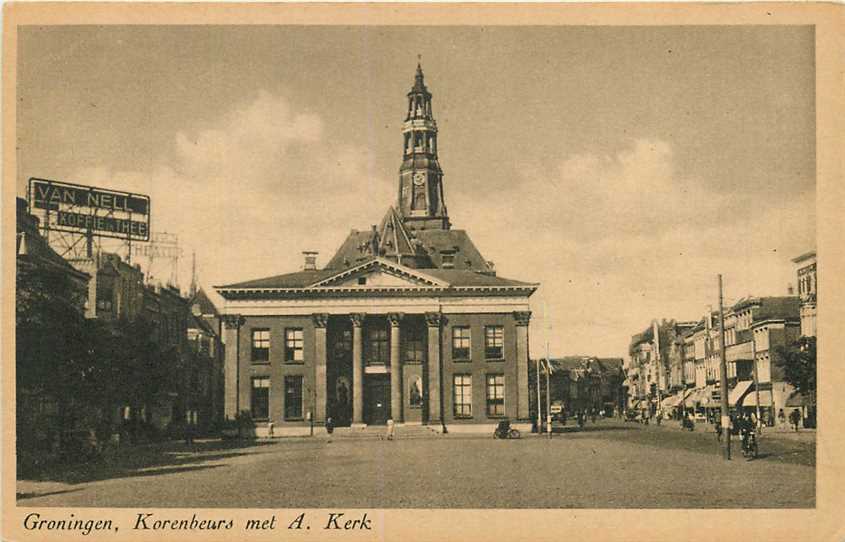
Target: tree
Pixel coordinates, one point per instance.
(53, 358)
(798, 361)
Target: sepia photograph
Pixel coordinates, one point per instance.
(411, 266)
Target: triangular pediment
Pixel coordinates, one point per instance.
(380, 273)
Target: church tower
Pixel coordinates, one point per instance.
(421, 202)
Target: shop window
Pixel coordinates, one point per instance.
(293, 345)
(260, 345)
(261, 397)
(293, 397)
(462, 396)
(495, 395)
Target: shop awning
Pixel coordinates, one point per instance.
(765, 399)
(684, 396)
(735, 396)
(696, 396)
(797, 399)
(672, 401)
(711, 397)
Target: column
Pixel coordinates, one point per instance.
(320, 322)
(395, 368)
(433, 321)
(231, 367)
(357, 368)
(522, 318)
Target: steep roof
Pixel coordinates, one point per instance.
(611, 363)
(198, 322)
(205, 304)
(457, 242)
(779, 308)
(772, 308)
(419, 248)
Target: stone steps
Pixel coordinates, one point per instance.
(376, 432)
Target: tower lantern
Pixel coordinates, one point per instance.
(421, 201)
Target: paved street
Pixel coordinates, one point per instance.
(608, 465)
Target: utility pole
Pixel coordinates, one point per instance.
(548, 373)
(548, 394)
(723, 380)
(756, 381)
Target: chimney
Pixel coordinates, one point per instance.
(310, 260)
(789, 289)
(374, 241)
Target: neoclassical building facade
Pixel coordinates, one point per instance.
(407, 321)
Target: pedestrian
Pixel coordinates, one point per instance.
(718, 426)
(391, 429)
(794, 418)
(781, 417)
(270, 428)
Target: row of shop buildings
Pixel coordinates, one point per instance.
(585, 384)
(183, 330)
(673, 366)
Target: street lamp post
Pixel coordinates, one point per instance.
(539, 409)
(723, 380)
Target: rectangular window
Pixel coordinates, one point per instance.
(448, 260)
(412, 343)
(260, 345)
(463, 396)
(293, 397)
(495, 395)
(460, 343)
(377, 351)
(261, 397)
(293, 345)
(493, 341)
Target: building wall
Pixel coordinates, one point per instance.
(276, 368)
(479, 367)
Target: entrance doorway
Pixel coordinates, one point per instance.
(376, 399)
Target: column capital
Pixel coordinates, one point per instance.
(233, 321)
(434, 319)
(357, 318)
(320, 319)
(522, 317)
(394, 318)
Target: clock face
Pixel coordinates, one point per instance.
(419, 178)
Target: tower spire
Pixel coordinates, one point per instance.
(421, 202)
(194, 287)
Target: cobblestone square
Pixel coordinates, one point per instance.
(607, 465)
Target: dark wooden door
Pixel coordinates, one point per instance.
(377, 399)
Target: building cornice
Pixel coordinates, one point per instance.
(375, 291)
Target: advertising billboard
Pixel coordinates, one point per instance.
(90, 210)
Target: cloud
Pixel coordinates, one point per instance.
(253, 190)
(619, 239)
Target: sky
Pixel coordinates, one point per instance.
(622, 168)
